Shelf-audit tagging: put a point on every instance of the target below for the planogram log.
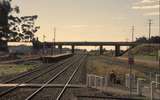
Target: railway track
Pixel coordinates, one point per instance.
(66, 77)
(62, 73)
(40, 71)
(19, 60)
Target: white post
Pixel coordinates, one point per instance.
(150, 76)
(139, 86)
(157, 79)
(134, 80)
(105, 80)
(95, 81)
(151, 87)
(102, 78)
(127, 80)
(88, 80)
(92, 81)
(101, 83)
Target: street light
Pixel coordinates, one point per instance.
(133, 33)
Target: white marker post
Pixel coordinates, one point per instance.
(157, 80)
(152, 89)
(88, 80)
(150, 76)
(127, 80)
(95, 81)
(106, 80)
(140, 86)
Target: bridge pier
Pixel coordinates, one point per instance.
(60, 48)
(73, 47)
(101, 49)
(117, 50)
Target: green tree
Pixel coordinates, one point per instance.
(23, 28)
(15, 28)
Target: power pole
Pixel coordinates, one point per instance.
(44, 44)
(54, 40)
(159, 19)
(150, 23)
(54, 35)
(159, 40)
(133, 33)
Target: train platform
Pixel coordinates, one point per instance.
(55, 58)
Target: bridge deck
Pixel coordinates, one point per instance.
(95, 43)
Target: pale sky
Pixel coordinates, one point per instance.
(91, 20)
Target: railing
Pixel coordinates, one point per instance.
(151, 87)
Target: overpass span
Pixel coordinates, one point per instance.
(100, 44)
(95, 43)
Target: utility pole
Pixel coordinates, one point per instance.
(44, 44)
(159, 40)
(133, 33)
(150, 23)
(54, 40)
(159, 19)
(54, 35)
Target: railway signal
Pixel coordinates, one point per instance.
(130, 64)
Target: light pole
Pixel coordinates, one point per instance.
(44, 44)
(150, 23)
(159, 19)
(159, 40)
(133, 33)
(54, 40)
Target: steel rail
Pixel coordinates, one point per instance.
(13, 88)
(49, 81)
(33, 71)
(25, 74)
(70, 78)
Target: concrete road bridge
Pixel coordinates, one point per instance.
(117, 45)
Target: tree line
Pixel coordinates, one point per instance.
(153, 39)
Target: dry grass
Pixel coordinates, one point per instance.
(98, 65)
(10, 69)
(147, 52)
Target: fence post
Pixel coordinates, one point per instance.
(105, 80)
(101, 84)
(95, 81)
(88, 80)
(151, 87)
(139, 86)
(157, 79)
(127, 81)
